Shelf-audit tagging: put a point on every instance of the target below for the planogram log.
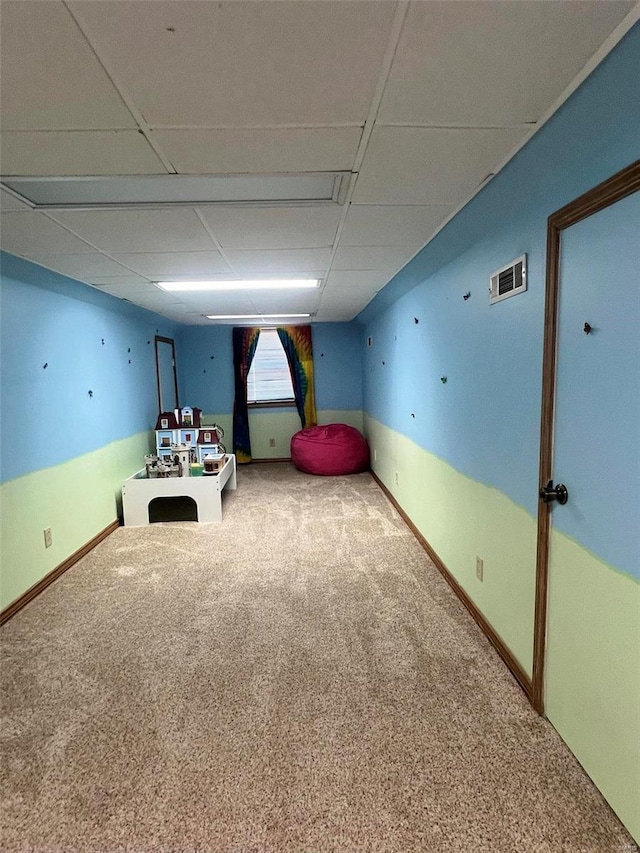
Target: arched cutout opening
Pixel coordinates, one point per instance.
(173, 508)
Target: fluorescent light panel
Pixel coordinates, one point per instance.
(258, 317)
(242, 284)
(81, 193)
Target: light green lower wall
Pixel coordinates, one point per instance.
(462, 519)
(76, 499)
(279, 426)
(592, 689)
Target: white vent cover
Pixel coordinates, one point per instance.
(508, 280)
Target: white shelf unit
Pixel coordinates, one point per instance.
(138, 492)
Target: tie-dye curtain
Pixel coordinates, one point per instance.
(296, 342)
(245, 341)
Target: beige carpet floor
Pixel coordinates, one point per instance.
(298, 678)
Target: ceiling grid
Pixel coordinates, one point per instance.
(415, 101)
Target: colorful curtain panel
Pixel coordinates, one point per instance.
(245, 341)
(296, 342)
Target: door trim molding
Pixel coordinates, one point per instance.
(615, 188)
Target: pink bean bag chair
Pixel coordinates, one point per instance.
(330, 450)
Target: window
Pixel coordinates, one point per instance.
(269, 380)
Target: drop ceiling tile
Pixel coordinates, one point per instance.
(389, 225)
(347, 297)
(222, 299)
(179, 264)
(117, 152)
(336, 314)
(281, 261)
(154, 301)
(9, 203)
(282, 303)
(121, 289)
(121, 231)
(221, 302)
(243, 64)
(435, 166)
(366, 280)
(120, 281)
(372, 257)
(491, 63)
(51, 78)
(274, 227)
(82, 267)
(260, 149)
(26, 233)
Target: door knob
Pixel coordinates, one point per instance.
(551, 493)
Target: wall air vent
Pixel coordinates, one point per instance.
(508, 280)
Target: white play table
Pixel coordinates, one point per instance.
(138, 491)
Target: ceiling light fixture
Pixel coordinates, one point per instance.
(256, 317)
(240, 284)
(152, 191)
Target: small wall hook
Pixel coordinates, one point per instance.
(443, 379)
(90, 393)
(466, 295)
(588, 329)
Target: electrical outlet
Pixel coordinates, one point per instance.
(48, 538)
(479, 569)
(397, 479)
(272, 442)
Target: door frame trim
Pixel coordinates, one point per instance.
(615, 188)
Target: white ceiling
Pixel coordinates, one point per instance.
(420, 101)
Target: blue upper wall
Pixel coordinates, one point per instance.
(485, 419)
(47, 414)
(50, 319)
(205, 366)
(595, 133)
